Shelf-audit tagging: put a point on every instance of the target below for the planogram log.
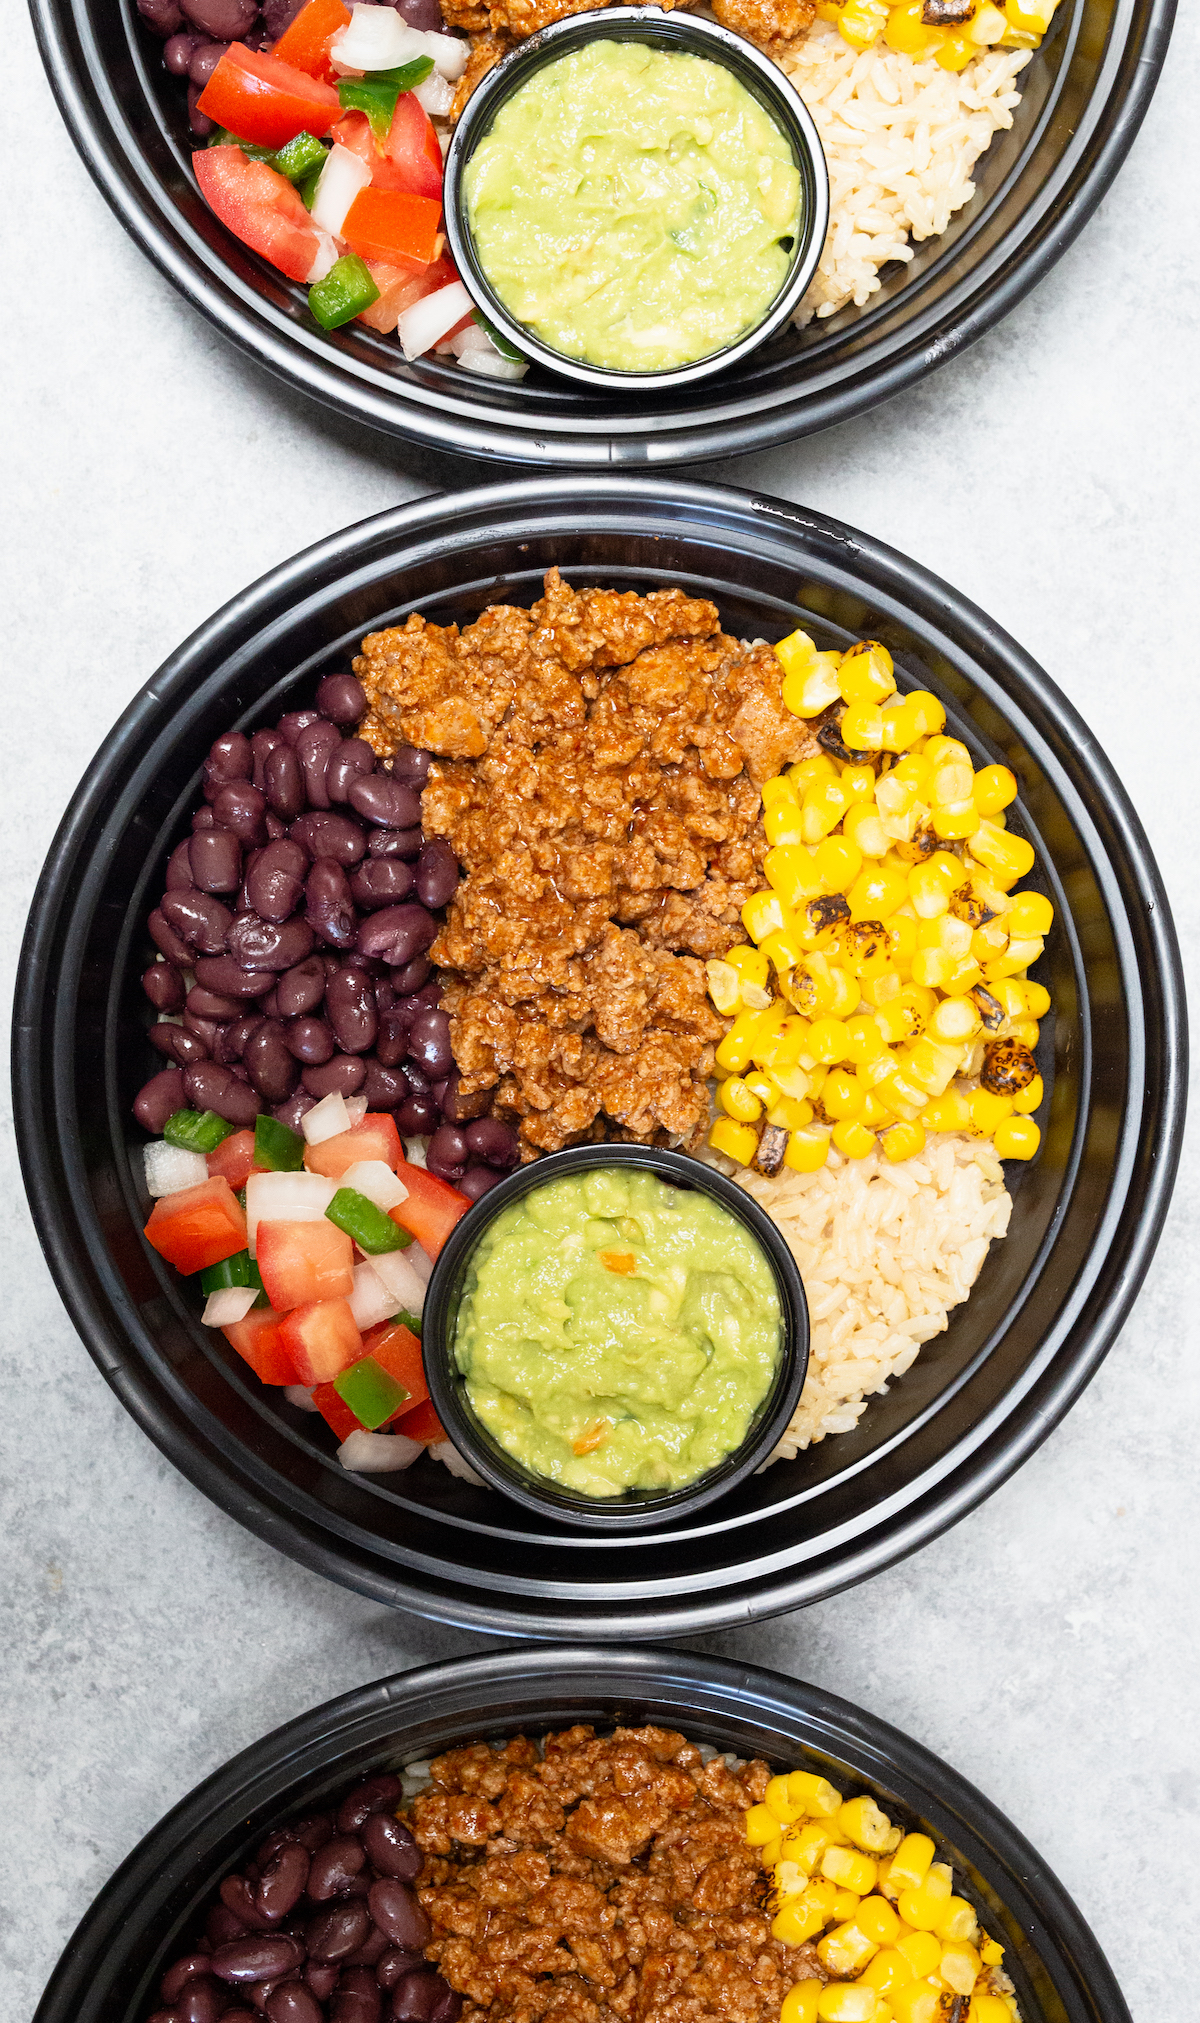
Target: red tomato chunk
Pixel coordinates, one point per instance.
(422, 1423)
(391, 225)
(198, 1226)
(431, 1210)
(266, 101)
(257, 1341)
(305, 42)
(233, 1160)
(304, 1261)
(259, 207)
(320, 1339)
(376, 1137)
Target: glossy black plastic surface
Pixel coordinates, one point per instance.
(149, 1911)
(1050, 1299)
(1085, 93)
(634, 1510)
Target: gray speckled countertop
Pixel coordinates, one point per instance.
(1048, 1647)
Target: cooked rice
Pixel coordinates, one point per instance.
(885, 1251)
(901, 139)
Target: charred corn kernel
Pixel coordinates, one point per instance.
(917, 2002)
(778, 1800)
(821, 810)
(736, 1141)
(859, 782)
(955, 1019)
(948, 1112)
(846, 2002)
(750, 963)
(876, 892)
(724, 987)
(1029, 914)
(791, 1113)
(799, 1920)
(988, 1111)
(738, 1101)
(861, 21)
(907, 34)
(799, 2005)
(920, 1949)
(862, 826)
(845, 1950)
(988, 2009)
(807, 1149)
(865, 674)
(794, 875)
(734, 1051)
(795, 652)
(861, 728)
(810, 988)
(994, 786)
(906, 1016)
(1007, 857)
(783, 821)
(787, 1877)
(956, 820)
(849, 1869)
(877, 1920)
(828, 1041)
(852, 1138)
(1016, 1138)
(991, 1952)
(868, 1827)
(763, 913)
(839, 862)
(902, 1141)
(811, 688)
(886, 1971)
(1030, 1099)
(987, 27)
(960, 1963)
(760, 1825)
(820, 1798)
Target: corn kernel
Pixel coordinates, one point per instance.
(956, 1019)
(866, 673)
(904, 1098)
(777, 789)
(959, 1965)
(1037, 999)
(876, 892)
(799, 2005)
(1034, 16)
(955, 820)
(790, 1113)
(778, 1801)
(846, 2002)
(991, 1952)
(839, 862)
(861, 727)
(987, 27)
(842, 1095)
(736, 1141)
(862, 826)
(1028, 1032)
(738, 1101)
(820, 1799)
(806, 772)
(783, 822)
(861, 21)
(846, 994)
(917, 2002)
(1029, 915)
(858, 782)
(1030, 1098)
(878, 1922)
(724, 987)
(874, 1112)
(1006, 857)
(734, 1051)
(762, 914)
(920, 1949)
(902, 1141)
(1016, 1138)
(788, 1878)
(762, 1086)
(807, 1149)
(886, 1971)
(988, 2009)
(846, 1866)
(795, 652)
(852, 1138)
(948, 1112)
(811, 688)
(910, 1866)
(794, 874)
(929, 890)
(822, 809)
(868, 1827)
(845, 1950)
(932, 714)
(956, 52)
(760, 1825)
(901, 727)
(951, 778)
(989, 1111)
(994, 788)
(782, 948)
(751, 965)
(907, 34)
(797, 1921)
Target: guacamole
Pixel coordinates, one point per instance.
(618, 1333)
(634, 207)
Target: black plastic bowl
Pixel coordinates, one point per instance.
(632, 1511)
(149, 1911)
(1085, 94)
(981, 1397)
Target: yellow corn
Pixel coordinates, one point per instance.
(858, 782)
(886, 1971)
(873, 1112)
(901, 726)
(795, 652)
(918, 2002)
(877, 1920)
(1028, 1032)
(751, 966)
(864, 828)
(780, 788)
(910, 1866)
(876, 892)
(822, 809)
(862, 727)
(1016, 1138)
(819, 1798)
(724, 987)
(868, 1827)
(842, 1095)
(956, 52)
(994, 786)
(783, 822)
(861, 21)
(845, 1903)
(1030, 1098)
(811, 688)
(846, 2001)
(923, 1907)
(734, 1051)
(736, 1141)
(791, 1113)
(948, 1112)
(839, 862)
(866, 673)
(795, 876)
(778, 1799)
(807, 1149)
(987, 26)
(797, 1921)
(852, 1138)
(782, 948)
(955, 1019)
(1016, 959)
(989, 2009)
(845, 1950)
(828, 1041)
(788, 1878)
(941, 749)
(738, 1101)
(1006, 857)
(802, 776)
(988, 1111)
(849, 1868)
(991, 1952)
(921, 1950)
(956, 820)
(762, 914)
(907, 34)
(959, 1965)
(1029, 915)
(930, 710)
(1034, 16)
(1037, 999)
(846, 994)
(902, 1141)
(799, 2005)
(760, 1825)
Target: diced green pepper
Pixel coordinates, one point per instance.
(277, 1147)
(196, 1130)
(372, 1230)
(410, 1321)
(308, 188)
(372, 1394)
(222, 138)
(239, 1270)
(346, 289)
(501, 342)
(376, 95)
(300, 157)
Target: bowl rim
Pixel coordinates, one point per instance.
(677, 31)
(462, 423)
(768, 1583)
(570, 1681)
(488, 1458)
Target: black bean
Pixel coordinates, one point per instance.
(329, 834)
(396, 934)
(419, 1115)
(261, 744)
(207, 1031)
(204, 817)
(375, 1794)
(397, 1961)
(198, 122)
(202, 2001)
(292, 2002)
(395, 1909)
(391, 1848)
(183, 1048)
(344, 1075)
(273, 1069)
(411, 766)
(314, 748)
(385, 801)
(168, 940)
(342, 698)
(350, 1009)
(282, 1881)
(446, 1153)
(322, 1977)
(428, 998)
(412, 976)
(296, 720)
(275, 879)
(211, 1087)
(335, 1865)
(301, 988)
(222, 974)
(291, 1112)
(309, 1040)
(176, 1978)
(373, 1947)
(391, 1042)
(429, 1043)
(329, 904)
(224, 20)
(179, 870)
(164, 2016)
(478, 1181)
(231, 1044)
(231, 756)
(261, 1956)
(358, 1999)
(283, 782)
(449, 2004)
(351, 758)
(237, 1896)
(199, 918)
(437, 873)
(276, 827)
(209, 1004)
(221, 1925)
(384, 1088)
(164, 987)
(267, 944)
(415, 1997)
(487, 1138)
(385, 996)
(215, 856)
(339, 1930)
(158, 1099)
(381, 881)
(418, 1081)
(265, 1855)
(313, 1830)
(395, 843)
(240, 808)
(162, 17)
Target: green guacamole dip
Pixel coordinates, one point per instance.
(634, 207)
(618, 1333)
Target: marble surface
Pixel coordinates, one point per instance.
(1048, 1647)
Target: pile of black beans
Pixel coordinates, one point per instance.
(324, 1923)
(196, 34)
(303, 905)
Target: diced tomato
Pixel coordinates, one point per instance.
(392, 225)
(266, 101)
(431, 1208)
(304, 1261)
(376, 1137)
(199, 1226)
(305, 41)
(397, 1350)
(320, 1338)
(233, 1159)
(259, 207)
(335, 1411)
(257, 1341)
(421, 1423)
(410, 159)
(399, 287)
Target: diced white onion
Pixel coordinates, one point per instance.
(436, 94)
(356, 1109)
(493, 366)
(404, 1284)
(414, 1152)
(370, 1301)
(339, 182)
(323, 259)
(377, 1181)
(169, 1168)
(430, 318)
(285, 1197)
(377, 1453)
(326, 1119)
(228, 1306)
(297, 1395)
(445, 1450)
(377, 38)
(420, 1261)
(449, 52)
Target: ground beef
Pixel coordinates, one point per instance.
(496, 26)
(601, 760)
(601, 1881)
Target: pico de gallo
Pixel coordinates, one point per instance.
(313, 1249)
(325, 161)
